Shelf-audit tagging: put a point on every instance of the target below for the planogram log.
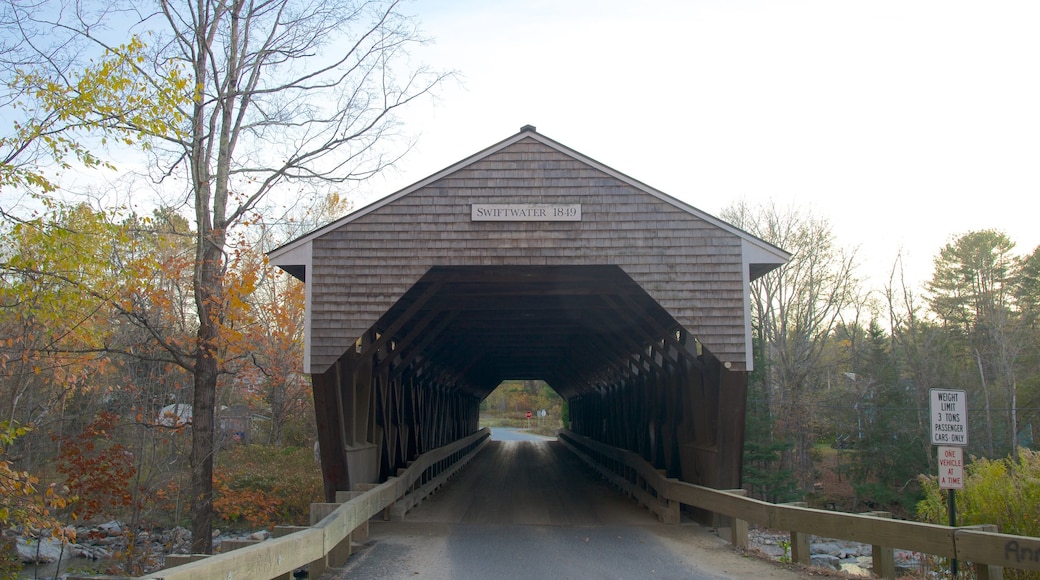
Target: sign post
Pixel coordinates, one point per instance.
(949, 420)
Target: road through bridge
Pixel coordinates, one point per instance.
(532, 509)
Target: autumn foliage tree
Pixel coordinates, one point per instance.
(268, 99)
(96, 469)
(275, 348)
(54, 279)
(98, 315)
(260, 486)
(57, 281)
(61, 114)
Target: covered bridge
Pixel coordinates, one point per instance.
(529, 260)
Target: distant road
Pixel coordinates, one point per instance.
(513, 434)
(531, 510)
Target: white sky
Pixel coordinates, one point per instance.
(903, 123)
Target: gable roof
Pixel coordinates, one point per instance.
(768, 257)
(693, 266)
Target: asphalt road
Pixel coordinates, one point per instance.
(530, 509)
(513, 434)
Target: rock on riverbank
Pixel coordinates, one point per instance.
(109, 542)
(852, 558)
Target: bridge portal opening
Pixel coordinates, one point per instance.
(565, 325)
(631, 376)
(526, 405)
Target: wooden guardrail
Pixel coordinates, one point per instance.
(981, 545)
(326, 543)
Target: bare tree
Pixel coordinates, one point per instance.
(277, 100)
(922, 346)
(796, 308)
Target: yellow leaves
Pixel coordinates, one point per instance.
(112, 97)
(63, 282)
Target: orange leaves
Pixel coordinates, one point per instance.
(254, 507)
(243, 496)
(261, 486)
(97, 471)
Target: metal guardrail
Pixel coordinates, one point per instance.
(981, 545)
(326, 543)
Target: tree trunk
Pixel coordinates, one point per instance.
(207, 293)
(203, 419)
(1014, 418)
(989, 406)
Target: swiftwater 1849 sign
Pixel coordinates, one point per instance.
(500, 212)
(949, 417)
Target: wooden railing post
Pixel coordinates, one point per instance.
(883, 558)
(738, 528)
(360, 534)
(985, 571)
(671, 513)
(341, 552)
(281, 531)
(800, 549)
(318, 567)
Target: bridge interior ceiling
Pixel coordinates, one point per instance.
(578, 328)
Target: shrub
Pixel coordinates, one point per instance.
(1004, 492)
(262, 486)
(996, 491)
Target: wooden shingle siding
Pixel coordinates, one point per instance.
(691, 267)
